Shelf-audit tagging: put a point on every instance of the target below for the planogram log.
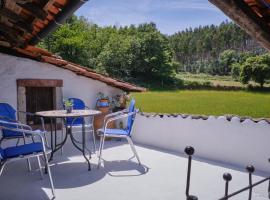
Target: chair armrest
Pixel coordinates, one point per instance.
(34, 115)
(15, 123)
(27, 113)
(114, 114)
(122, 116)
(22, 128)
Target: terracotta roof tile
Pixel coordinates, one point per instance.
(47, 57)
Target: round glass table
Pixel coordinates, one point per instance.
(74, 115)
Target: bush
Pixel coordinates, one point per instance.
(236, 67)
(197, 85)
(256, 68)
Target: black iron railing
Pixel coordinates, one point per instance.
(227, 178)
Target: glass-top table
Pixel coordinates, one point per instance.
(62, 114)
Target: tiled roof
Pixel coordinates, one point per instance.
(25, 22)
(42, 55)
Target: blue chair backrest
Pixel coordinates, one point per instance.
(78, 104)
(8, 112)
(131, 118)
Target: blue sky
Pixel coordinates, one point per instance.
(169, 15)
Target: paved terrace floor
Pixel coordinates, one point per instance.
(161, 177)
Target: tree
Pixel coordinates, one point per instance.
(194, 47)
(71, 41)
(256, 68)
(226, 59)
(235, 71)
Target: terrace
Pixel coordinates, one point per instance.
(161, 176)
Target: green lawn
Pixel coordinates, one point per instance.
(215, 80)
(253, 104)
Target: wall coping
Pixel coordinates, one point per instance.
(206, 117)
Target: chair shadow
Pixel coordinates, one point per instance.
(74, 174)
(22, 182)
(125, 167)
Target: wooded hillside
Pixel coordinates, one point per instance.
(202, 49)
(143, 54)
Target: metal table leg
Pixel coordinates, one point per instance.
(73, 140)
(52, 147)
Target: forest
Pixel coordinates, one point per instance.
(142, 54)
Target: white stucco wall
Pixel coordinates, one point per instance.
(233, 142)
(13, 68)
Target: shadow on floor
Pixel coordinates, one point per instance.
(124, 168)
(75, 174)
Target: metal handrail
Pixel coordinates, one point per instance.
(227, 177)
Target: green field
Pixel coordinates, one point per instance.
(242, 103)
(215, 80)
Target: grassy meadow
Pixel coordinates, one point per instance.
(204, 102)
(215, 80)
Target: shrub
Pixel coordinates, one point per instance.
(256, 68)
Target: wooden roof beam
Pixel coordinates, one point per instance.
(245, 17)
(17, 20)
(12, 39)
(13, 16)
(10, 30)
(27, 27)
(34, 9)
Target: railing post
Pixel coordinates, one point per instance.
(250, 170)
(227, 177)
(269, 184)
(189, 151)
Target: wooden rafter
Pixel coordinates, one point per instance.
(247, 19)
(25, 21)
(17, 20)
(10, 30)
(34, 9)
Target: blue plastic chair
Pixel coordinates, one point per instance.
(104, 132)
(25, 151)
(78, 104)
(8, 114)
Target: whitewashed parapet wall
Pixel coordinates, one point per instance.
(236, 142)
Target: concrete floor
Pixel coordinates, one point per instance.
(161, 177)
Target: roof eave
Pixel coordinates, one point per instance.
(66, 12)
(240, 12)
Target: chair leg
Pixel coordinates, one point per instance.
(133, 149)
(94, 139)
(2, 138)
(46, 141)
(29, 164)
(62, 136)
(28, 159)
(49, 173)
(102, 140)
(40, 168)
(2, 167)
(18, 141)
